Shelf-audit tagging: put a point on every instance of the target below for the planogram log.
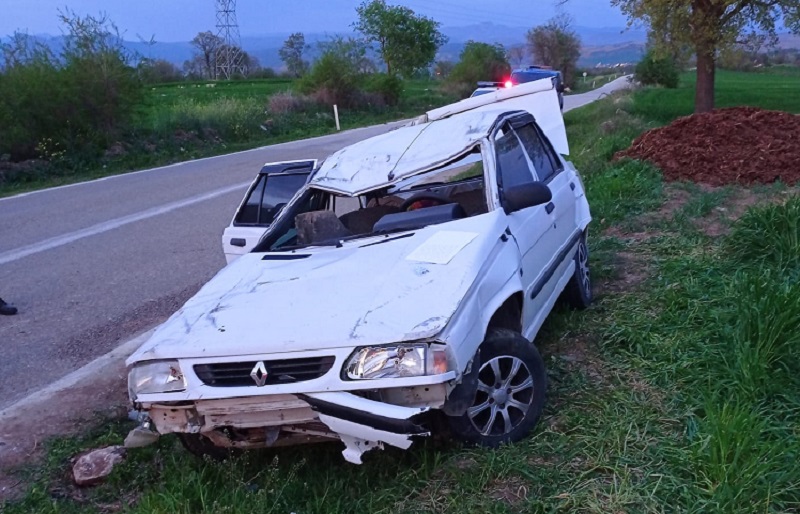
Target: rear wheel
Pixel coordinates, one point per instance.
(578, 292)
(509, 395)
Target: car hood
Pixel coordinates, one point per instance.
(403, 288)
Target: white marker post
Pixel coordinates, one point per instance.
(336, 116)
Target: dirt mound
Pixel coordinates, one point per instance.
(737, 145)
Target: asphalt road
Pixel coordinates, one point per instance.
(90, 265)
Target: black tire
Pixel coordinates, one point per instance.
(578, 292)
(491, 419)
(203, 447)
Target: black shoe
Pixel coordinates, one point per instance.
(6, 309)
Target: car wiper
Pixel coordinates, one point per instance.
(387, 239)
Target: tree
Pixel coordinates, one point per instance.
(516, 54)
(479, 61)
(156, 71)
(556, 45)
(442, 69)
(208, 44)
(406, 41)
(336, 77)
(709, 26)
(292, 54)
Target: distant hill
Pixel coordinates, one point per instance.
(611, 54)
(608, 44)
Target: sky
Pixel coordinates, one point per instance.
(180, 20)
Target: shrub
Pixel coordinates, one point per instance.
(478, 61)
(79, 102)
(657, 71)
(289, 102)
(388, 87)
(336, 74)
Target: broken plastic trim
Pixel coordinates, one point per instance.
(407, 426)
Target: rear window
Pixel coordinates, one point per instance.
(521, 77)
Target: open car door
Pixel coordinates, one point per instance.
(273, 187)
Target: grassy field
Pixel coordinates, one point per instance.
(678, 391)
(777, 88)
(178, 122)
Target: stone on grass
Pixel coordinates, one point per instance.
(92, 467)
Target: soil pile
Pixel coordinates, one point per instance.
(741, 145)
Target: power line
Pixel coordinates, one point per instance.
(229, 54)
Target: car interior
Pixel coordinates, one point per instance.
(449, 192)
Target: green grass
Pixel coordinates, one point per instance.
(777, 88)
(678, 391)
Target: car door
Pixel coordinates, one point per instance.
(560, 241)
(535, 229)
(272, 188)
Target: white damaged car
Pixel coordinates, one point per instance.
(396, 295)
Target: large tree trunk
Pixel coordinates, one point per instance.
(706, 67)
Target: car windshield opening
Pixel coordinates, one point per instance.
(446, 193)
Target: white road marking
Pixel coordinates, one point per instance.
(286, 145)
(55, 242)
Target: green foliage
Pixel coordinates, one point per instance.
(555, 44)
(389, 87)
(477, 62)
(336, 76)
(291, 54)
(406, 41)
(653, 70)
(769, 235)
(158, 71)
(78, 103)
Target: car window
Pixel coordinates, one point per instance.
(538, 152)
(513, 167)
(248, 214)
(268, 197)
(280, 189)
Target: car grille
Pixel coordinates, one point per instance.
(286, 371)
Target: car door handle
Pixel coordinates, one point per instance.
(572, 185)
(549, 207)
(238, 241)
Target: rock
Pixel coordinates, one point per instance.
(92, 467)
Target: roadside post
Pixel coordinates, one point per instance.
(336, 116)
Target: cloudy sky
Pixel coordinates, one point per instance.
(180, 20)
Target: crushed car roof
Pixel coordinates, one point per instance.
(385, 159)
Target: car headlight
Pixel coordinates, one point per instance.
(155, 377)
(402, 360)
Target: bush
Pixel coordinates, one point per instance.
(657, 71)
(336, 76)
(231, 119)
(289, 102)
(388, 87)
(78, 102)
(478, 61)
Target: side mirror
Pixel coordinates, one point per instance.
(525, 195)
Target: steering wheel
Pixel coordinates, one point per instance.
(423, 200)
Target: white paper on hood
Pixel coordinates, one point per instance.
(441, 247)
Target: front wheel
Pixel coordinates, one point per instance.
(509, 395)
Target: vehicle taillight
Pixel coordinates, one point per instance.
(509, 83)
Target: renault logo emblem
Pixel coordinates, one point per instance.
(259, 374)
